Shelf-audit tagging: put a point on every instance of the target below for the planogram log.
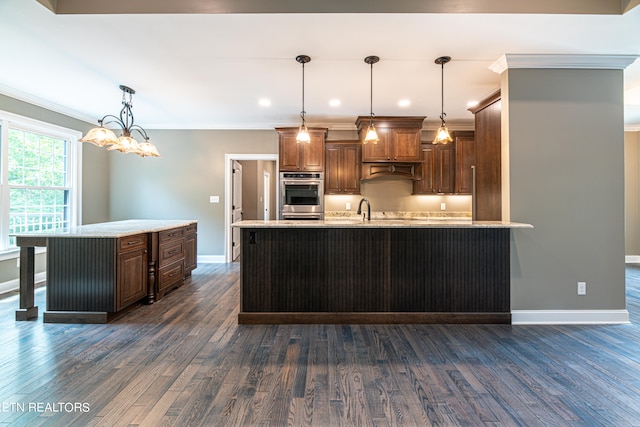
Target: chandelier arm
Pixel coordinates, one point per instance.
(140, 130)
(116, 120)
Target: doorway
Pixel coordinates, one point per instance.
(252, 194)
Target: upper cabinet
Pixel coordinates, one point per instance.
(399, 139)
(437, 170)
(447, 168)
(488, 196)
(465, 144)
(301, 156)
(342, 167)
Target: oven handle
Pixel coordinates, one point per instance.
(302, 181)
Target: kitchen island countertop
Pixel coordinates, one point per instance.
(380, 223)
(114, 229)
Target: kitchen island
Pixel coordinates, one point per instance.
(96, 272)
(380, 271)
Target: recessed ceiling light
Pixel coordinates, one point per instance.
(472, 104)
(264, 102)
(404, 103)
(335, 102)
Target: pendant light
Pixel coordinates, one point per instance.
(371, 135)
(303, 132)
(442, 134)
(103, 137)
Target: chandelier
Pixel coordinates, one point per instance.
(103, 137)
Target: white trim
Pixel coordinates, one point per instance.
(632, 128)
(599, 62)
(632, 259)
(228, 158)
(211, 259)
(14, 285)
(569, 317)
(14, 253)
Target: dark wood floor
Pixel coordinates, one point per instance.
(184, 361)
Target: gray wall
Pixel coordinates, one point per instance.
(566, 154)
(632, 193)
(178, 184)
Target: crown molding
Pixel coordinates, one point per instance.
(43, 103)
(599, 62)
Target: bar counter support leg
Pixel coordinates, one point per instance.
(27, 308)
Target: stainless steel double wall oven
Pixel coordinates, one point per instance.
(302, 195)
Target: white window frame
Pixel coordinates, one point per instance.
(14, 121)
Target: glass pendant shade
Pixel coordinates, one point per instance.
(442, 135)
(125, 144)
(100, 137)
(303, 134)
(147, 149)
(371, 135)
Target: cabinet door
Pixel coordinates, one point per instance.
(465, 159)
(379, 152)
(190, 250)
(332, 169)
(426, 185)
(289, 154)
(132, 277)
(351, 168)
(405, 145)
(313, 153)
(444, 168)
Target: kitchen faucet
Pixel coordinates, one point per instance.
(368, 209)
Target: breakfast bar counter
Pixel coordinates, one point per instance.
(95, 272)
(379, 271)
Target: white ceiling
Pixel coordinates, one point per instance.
(209, 71)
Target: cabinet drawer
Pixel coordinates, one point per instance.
(173, 234)
(170, 252)
(170, 275)
(130, 243)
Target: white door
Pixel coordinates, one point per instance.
(267, 195)
(236, 206)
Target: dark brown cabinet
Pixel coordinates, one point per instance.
(399, 139)
(438, 170)
(132, 270)
(301, 156)
(190, 247)
(171, 256)
(342, 167)
(488, 197)
(465, 161)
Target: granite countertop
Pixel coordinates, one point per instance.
(113, 229)
(380, 223)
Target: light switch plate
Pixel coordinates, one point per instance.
(214, 199)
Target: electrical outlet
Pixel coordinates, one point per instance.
(443, 206)
(348, 206)
(582, 288)
(18, 262)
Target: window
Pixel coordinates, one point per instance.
(39, 186)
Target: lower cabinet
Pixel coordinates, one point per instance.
(132, 270)
(171, 252)
(190, 247)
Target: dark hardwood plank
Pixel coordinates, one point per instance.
(185, 361)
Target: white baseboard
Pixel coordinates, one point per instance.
(211, 259)
(632, 259)
(569, 317)
(14, 285)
